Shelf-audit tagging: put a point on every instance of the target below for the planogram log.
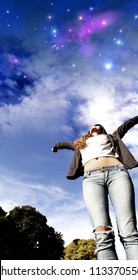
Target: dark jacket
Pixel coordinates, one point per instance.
(76, 169)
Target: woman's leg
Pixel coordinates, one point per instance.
(96, 199)
(121, 191)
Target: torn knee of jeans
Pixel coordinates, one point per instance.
(103, 229)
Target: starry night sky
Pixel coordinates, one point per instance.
(96, 31)
(64, 65)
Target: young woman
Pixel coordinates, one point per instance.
(103, 160)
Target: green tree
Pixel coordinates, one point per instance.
(80, 249)
(9, 238)
(26, 235)
(2, 212)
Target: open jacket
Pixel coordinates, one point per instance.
(76, 169)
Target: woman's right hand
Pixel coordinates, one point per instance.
(54, 149)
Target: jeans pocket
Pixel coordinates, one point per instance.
(86, 175)
(122, 168)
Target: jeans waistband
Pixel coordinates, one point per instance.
(115, 166)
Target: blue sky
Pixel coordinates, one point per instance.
(64, 66)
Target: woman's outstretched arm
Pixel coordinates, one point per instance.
(63, 145)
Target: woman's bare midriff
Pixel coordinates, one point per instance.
(101, 162)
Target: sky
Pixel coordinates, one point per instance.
(64, 66)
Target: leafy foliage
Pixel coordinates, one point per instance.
(80, 249)
(25, 234)
(2, 212)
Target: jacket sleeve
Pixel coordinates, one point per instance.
(64, 145)
(122, 129)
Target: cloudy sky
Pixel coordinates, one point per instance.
(64, 65)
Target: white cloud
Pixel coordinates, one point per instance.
(93, 96)
(49, 106)
(20, 189)
(35, 112)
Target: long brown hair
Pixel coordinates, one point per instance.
(80, 143)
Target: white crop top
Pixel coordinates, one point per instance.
(97, 146)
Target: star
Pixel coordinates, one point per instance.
(108, 66)
(118, 42)
(104, 22)
(80, 17)
(13, 59)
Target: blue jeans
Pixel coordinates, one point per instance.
(115, 182)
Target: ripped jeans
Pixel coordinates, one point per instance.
(115, 182)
